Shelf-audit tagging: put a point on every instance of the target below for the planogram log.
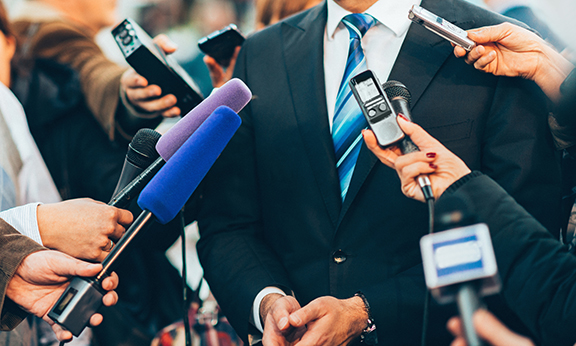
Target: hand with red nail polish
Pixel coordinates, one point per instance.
(442, 166)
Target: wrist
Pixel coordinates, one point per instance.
(266, 304)
(368, 334)
(551, 71)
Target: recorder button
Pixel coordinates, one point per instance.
(127, 40)
(382, 107)
(372, 112)
(123, 33)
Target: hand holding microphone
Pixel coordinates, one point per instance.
(442, 166)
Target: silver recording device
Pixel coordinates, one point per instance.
(441, 27)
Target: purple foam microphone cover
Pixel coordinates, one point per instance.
(234, 94)
(173, 185)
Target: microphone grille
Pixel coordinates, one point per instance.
(142, 150)
(394, 89)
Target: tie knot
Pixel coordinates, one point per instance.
(358, 24)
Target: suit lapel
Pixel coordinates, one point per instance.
(422, 54)
(303, 54)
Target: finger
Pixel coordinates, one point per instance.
(110, 298)
(95, 320)
(164, 42)
(69, 266)
(131, 79)
(495, 332)
(159, 104)
(410, 172)
(485, 61)
(171, 113)
(454, 326)
(125, 217)
(459, 341)
(307, 314)
(61, 334)
(417, 134)
(387, 156)
(111, 282)
(143, 94)
(459, 51)
(475, 54)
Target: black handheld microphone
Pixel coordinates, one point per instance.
(400, 97)
(459, 263)
(161, 199)
(141, 153)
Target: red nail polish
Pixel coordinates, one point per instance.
(403, 117)
(431, 155)
(433, 166)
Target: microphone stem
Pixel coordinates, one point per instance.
(468, 303)
(123, 198)
(136, 227)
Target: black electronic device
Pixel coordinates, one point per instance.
(221, 44)
(158, 68)
(376, 108)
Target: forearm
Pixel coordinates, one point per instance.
(551, 71)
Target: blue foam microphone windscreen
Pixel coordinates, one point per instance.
(173, 185)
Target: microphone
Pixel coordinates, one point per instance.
(161, 199)
(234, 94)
(400, 97)
(459, 263)
(141, 153)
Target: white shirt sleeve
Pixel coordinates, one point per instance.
(24, 220)
(255, 317)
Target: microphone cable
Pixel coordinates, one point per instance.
(430, 203)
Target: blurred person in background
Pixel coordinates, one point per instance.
(522, 11)
(82, 110)
(268, 12)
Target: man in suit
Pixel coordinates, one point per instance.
(273, 221)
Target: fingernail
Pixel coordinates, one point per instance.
(282, 323)
(296, 319)
(431, 155)
(433, 166)
(403, 117)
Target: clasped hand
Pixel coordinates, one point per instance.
(323, 321)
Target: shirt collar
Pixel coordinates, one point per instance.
(392, 14)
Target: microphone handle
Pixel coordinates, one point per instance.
(129, 172)
(400, 106)
(468, 303)
(124, 197)
(117, 250)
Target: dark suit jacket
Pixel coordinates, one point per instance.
(271, 212)
(538, 274)
(14, 247)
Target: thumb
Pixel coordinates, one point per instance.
(496, 333)
(64, 265)
(417, 134)
(301, 317)
(488, 34)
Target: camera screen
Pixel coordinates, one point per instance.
(367, 90)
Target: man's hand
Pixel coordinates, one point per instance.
(147, 97)
(330, 321)
(82, 228)
(41, 279)
(489, 328)
(275, 311)
(218, 74)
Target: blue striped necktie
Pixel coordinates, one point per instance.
(348, 118)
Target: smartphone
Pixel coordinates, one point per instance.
(221, 44)
(160, 69)
(441, 27)
(376, 108)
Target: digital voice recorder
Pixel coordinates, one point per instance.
(441, 27)
(158, 68)
(376, 108)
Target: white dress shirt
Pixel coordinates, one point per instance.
(381, 45)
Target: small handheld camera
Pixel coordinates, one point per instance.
(441, 27)
(376, 108)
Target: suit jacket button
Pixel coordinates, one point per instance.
(339, 256)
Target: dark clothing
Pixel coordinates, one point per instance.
(538, 274)
(271, 212)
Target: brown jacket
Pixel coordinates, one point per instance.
(66, 42)
(14, 247)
